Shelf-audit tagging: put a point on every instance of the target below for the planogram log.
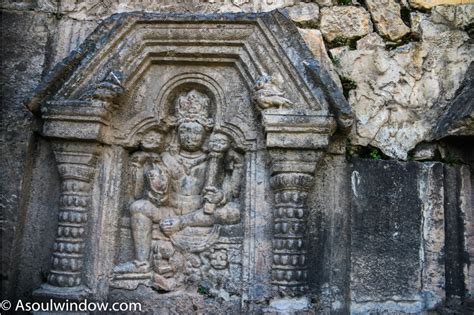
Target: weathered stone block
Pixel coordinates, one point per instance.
(344, 22)
(428, 4)
(397, 236)
(396, 116)
(388, 22)
(315, 42)
(305, 14)
(24, 58)
(459, 16)
(329, 236)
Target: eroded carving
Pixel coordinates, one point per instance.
(289, 269)
(76, 164)
(166, 202)
(268, 93)
(110, 88)
(183, 195)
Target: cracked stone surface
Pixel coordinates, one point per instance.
(386, 16)
(344, 22)
(459, 16)
(305, 14)
(315, 42)
(401, 93)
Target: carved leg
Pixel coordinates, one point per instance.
(143, 214)
(141, 230)
(229, 214)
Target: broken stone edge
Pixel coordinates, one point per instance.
(459, 116)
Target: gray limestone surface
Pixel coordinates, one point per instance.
(216, 141)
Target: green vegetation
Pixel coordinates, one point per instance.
(375, 154)
(203, 290)
(339, 41)
(450, 159)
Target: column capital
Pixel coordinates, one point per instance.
(296, 139)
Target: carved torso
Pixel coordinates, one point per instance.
(188, 176)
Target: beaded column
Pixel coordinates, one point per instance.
(76, 165)
(296, 141)
(289, 269)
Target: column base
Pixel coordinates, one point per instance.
(50, 291)
(288, 306)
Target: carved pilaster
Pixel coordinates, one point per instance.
(76, 165)
(76, 128)
(289, 268)
(295, 141)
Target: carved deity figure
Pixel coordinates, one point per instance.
(150, 190)
(219, 201)
(268, 93)
(186, 187)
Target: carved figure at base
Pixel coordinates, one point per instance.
(168, 266)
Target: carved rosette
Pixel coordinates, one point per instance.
(295, 141)
(76, 164)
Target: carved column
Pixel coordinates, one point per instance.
(289, 269)
(77, 129)
(76, 164)
(296, 141)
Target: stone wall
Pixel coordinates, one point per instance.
(390, 234)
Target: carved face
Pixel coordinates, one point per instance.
(152, 140)
(219, 142)
(191, 136)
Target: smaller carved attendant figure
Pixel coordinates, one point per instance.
(268, 93)
(168, 266)
(151, 185)
(143, 162)
(218, 145)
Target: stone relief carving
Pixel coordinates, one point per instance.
(76, 168)
(268, 93)
(183, 195)
(170, 180)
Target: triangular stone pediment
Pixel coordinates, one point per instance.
(224, 54)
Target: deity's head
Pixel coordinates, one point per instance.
(191, 136)
(152, 140)
(219, 142)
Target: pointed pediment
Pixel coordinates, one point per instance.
(147, 55)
